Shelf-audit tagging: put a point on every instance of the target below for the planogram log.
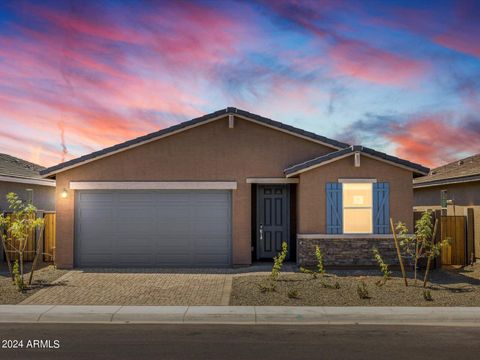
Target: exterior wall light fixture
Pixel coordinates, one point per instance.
(64, 194)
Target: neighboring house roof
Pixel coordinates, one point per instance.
(340, 154)
(460, 171)
(187, 125)
(13, 169)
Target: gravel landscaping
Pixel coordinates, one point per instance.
(459, 287)
(43, 277)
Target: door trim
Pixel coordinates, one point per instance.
(272, 181)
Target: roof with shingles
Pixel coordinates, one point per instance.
(14, 167)
(229, 110)
(304, 166)
(457, 171)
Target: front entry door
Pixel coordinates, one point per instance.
(273, 219)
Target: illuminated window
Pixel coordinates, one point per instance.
(357, 208)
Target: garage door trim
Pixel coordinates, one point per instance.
(153, 185)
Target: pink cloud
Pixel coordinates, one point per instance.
(107, 80)
(435, 139)
(462, 41)
(361, 61)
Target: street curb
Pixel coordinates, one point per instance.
(246, 315)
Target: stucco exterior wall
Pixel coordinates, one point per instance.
(312, 198)
(212, 152)
(466, 194)
(43, 196)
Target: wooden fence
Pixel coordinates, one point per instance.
(29, 252)
(454, 229)
(49, 238)
(459, 230)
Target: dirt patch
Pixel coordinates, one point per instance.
(446, 289)
(42, 278)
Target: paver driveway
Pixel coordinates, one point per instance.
(138, 287)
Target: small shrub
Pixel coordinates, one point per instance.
(362, 290)
(427, 296)
(330, 286)
(309, 272)
(267, 287)
(17, 277)
(278, 261)
(319, 256)
(293, 294)
(383, 267)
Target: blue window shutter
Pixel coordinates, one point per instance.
(381, 208)
(334, 208)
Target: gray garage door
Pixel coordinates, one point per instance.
(153, 228)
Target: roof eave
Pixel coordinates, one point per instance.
(420, 170)
(450, 181)
(27, 180)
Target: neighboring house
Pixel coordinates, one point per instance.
(226, 189)
(23, 177)
(461, 180)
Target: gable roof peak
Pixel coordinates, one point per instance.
(296, 169)
(190, 124)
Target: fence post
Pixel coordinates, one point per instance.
(470, 237)
(38, 237)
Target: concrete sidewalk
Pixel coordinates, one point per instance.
(438, 316)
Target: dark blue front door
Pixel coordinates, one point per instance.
(273, 214)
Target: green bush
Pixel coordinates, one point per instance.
(17, 276)
(308, 271)
(427, 296)
(278, 261)
(293, 294)
(319, 256)
(267, 287)
(383, 267)
(329, 286)
(362, 290)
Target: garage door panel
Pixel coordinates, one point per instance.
(211, 260)
(97, 197)
(126, 259)
(173, 230)
(173, 246)
(172, 196)
(98, 247)
(94, 259)
(136, 227)
(153, 228)
(210, 228)
(134, 244)
(134, 198)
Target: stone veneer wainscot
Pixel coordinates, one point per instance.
(345, 250)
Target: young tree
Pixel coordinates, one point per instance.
(15, 229)
(421, 244)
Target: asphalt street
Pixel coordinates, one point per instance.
(127, 341)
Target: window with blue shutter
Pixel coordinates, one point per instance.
(381, 208)
(334, 208)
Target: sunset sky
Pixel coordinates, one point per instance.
(399, 76)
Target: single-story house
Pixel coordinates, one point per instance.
(226, 189)
(460, 183)
(23, 178)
